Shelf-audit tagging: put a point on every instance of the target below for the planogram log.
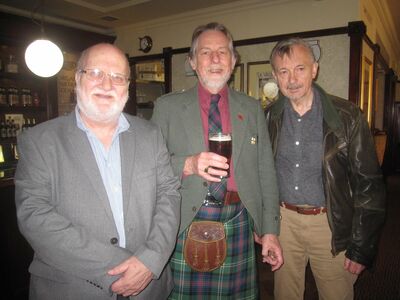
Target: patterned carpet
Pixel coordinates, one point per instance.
(380, 283)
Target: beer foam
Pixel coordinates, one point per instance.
(222, 138)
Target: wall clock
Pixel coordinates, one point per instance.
(145, 43)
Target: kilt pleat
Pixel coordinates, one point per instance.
(236, 278)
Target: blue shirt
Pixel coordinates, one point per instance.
(109, 164)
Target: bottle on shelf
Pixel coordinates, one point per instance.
(13, 98)
(12, 65)
(3, 96)
(26, 97)
(13, 128)
(36, 99)
(24, 125)
(15, 151)
(17, 129)
(8, 128)
(3, 130)
(28, 124)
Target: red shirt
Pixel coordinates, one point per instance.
(204, 97)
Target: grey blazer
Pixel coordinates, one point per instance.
(178, 115)
(64, 212)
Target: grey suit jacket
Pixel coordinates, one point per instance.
(64, 212)
(178, 115)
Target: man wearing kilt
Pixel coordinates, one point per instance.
(245, 203)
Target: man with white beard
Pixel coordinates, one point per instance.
(244, 203)
(95, 193)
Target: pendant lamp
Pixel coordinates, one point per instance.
(44, 58)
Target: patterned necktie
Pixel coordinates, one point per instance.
(216, 189)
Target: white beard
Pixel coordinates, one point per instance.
(91, 111)
(215, 84)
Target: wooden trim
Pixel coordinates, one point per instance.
(135, 59)
(356, 32)
(374, 87)
(167, 53)
(303, 34)
(275, 38)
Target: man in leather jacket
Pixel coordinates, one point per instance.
(331, 188)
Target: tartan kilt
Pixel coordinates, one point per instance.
(237, 277)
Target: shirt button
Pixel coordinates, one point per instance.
(297, 143)
(297, 165)
(298, 120)
(113, 240)
(296, 187)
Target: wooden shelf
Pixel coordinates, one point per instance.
(19, 76)
(22, 109)
(145, 81)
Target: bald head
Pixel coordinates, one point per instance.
(112, 51)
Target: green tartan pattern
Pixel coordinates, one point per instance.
(236, 278)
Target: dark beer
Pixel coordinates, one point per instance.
(221, 144)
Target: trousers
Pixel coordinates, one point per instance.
(307, 238)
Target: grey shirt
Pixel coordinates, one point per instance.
(299, 155)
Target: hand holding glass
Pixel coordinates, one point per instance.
(221, 144)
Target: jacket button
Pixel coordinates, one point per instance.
(194, 208)
(114, 240)
(205, 183)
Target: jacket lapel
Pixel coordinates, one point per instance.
(239, 120)
(127, 145)
(80, 146)
(191, 121)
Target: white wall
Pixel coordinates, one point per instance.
(245, 19)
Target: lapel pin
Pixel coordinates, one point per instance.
(240, 117)
(253, 140)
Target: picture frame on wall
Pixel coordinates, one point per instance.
(236, 81)
(261, 84)
(366, 88)
(256, 71)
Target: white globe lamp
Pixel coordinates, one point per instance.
(44, 58)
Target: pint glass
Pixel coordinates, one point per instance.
(221, 143)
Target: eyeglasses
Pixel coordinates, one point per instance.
(98, 76)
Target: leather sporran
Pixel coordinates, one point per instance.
(205, 246)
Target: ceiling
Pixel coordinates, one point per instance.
(103, 15)
(394, 6)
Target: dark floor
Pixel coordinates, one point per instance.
(380, 283)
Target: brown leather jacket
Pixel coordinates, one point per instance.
(353, 183)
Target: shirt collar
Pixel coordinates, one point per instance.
(205, 96)
(315, 105)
